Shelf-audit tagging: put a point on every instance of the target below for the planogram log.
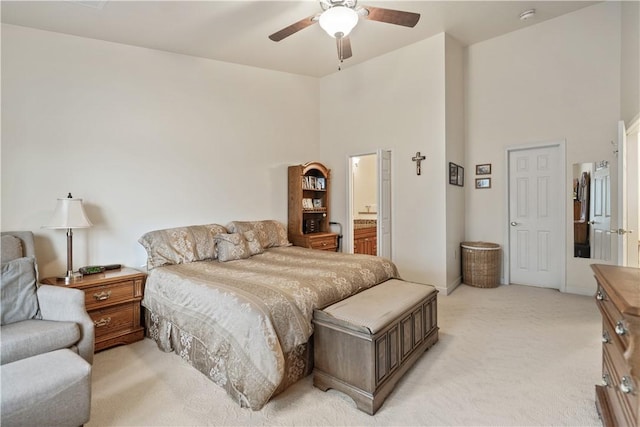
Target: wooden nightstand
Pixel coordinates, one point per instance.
(112, 300)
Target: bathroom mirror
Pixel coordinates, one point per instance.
(592, 210)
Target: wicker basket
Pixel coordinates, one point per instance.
(481, 264)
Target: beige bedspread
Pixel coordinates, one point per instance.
(250, 315)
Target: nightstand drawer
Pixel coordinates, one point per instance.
(107, 295)
(327, 243)
(115, 319)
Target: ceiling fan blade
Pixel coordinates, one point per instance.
(344, 48)
(293, 28)
(390, 16)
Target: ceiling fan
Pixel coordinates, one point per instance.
(339, 17)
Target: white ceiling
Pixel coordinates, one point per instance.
(236, 31)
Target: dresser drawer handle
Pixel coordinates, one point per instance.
(102, 295)
(620, 329)
(599, 296)
(102, 322)
(606, 381)
(606, 338)
(626, 386)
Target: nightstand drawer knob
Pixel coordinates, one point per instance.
(626, 386)
(606, 382)
(620, 329)
(102, 322)
(606, 339)
(102, 295)
(599, 296)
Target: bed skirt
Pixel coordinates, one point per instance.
(169, 337)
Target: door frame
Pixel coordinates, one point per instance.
(562, 153)
(628, 195)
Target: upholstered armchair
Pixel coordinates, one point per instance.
(46, 346)
(38, 319)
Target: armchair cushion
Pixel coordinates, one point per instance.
(18, 290)
(11, 248)
(31, 337)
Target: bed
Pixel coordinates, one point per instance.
(236, 302)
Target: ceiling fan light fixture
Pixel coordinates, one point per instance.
(338, 21)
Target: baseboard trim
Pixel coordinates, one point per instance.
(450, 286)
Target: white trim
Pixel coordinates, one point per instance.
(562, 146)
(634, 125)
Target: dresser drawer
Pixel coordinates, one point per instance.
(110, 294)
(327, 243)
(610, 312)
(116, 319)
(623, 404)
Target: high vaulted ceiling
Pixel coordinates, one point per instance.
(237, 31)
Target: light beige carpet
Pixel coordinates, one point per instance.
(508, 356)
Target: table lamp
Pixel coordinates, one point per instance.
(69, 214)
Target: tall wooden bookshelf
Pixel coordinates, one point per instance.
(309, 202)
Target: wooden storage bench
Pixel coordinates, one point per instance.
(364, 344)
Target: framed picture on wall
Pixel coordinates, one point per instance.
(456, 174)
(483, 182)
(460, 176)
(484, 169)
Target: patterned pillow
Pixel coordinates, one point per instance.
(231, 247)
(18, 290)
(270, 233)
(180, 245)
(254, 245)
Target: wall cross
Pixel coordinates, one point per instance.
(418, 159)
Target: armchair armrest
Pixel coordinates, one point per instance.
(67, 304)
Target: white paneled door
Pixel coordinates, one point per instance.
(602, 241)
(536, 246)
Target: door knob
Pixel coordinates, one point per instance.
(513, 223)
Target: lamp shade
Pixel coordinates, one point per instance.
(69, 213)
(338, 21)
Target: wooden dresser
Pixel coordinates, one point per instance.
(618, 298)
(112, 299)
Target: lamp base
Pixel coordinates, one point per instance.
(71, 277)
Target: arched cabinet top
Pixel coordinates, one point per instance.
(311, 166)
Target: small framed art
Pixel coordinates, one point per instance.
(484, 169)
(483, 182)
(456, 174)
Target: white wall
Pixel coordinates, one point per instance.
(395, 101)
(148, 139)
(556, 80)
(630, 68)
(455, 214)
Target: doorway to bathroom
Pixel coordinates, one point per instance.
(369, 200)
